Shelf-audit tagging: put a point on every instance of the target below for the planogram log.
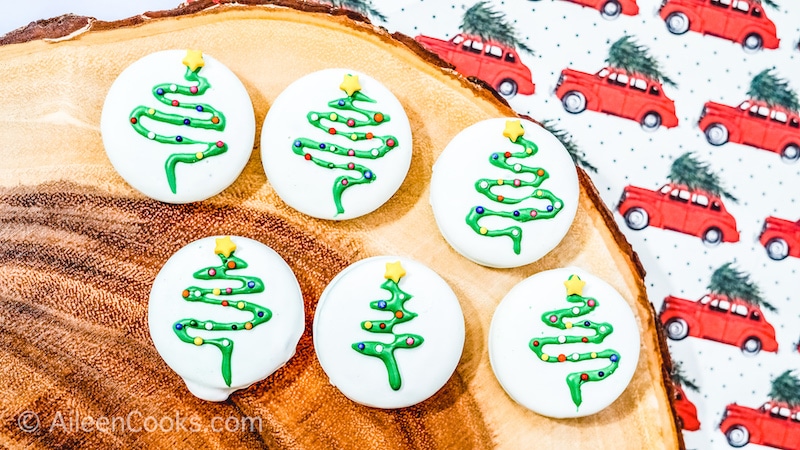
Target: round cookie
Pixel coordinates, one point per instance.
(336, 144)
(388, 332)
(225, 312)
(504, 192)
(178, 126)
(564, 353)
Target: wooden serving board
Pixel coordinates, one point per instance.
(79, 250)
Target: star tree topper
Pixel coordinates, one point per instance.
(193, 60)
(350, 84)
(574, 285)
(225, 246)
(513, 130)
(394, 271)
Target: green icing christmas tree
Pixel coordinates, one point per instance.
(328, 120)
(561, 319)
(167, 93)
(394, 305)
(514, 132)
(225, 297)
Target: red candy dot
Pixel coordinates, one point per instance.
(500, 198)
(175, 103)
(344, 182)
(228, 290)
(332, 130)
(193, 89)
(133, 120)
(591, 303)
(383, 326)
(507, 154)
(390, 142)
(307, 156)
(351, 166)
(584, 377)
(533, 213)
(584, 339)
(562, 358)
(535, 343)
(212, 272)
(351, 122)
(553, 318)
(410, 341)
(220, 144)
(224, 303)
(350, 153)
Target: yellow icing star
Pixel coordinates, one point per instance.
(225, 246)
(513, 130)
(194, 60)
(350, 84)
(574, 285)
(394, 271)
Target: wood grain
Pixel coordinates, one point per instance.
(79, 250)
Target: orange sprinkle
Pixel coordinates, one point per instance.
(185, 293)
(399, 314)
(231, 265)
(378, 117)
(500, 198)
(215, 119)
(248, 326)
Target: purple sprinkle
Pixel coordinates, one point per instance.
(600, 374)
(587, 323)
(178, 138)
(516, 213)
(186, 121)
(321, 145)
(199, 107)
(479, 210)
(261, 314)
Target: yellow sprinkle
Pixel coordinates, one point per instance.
(499, 182)
(240, 305)
(151, 111)
(529, 150)
(538, 193)
(198, 155)
(368, 325)
(216, 291)
(333, 116)
(353, 136)
(545, 356)
(198, 341)
(484, 230)
(568, 324)
(594, 355)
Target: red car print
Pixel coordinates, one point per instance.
(781, 238)
(490, 61)
(687, 412)
(674, 207)
(618, 93)
(742, 21)
(718, 318)
(611, 9)
(755, 124)
(774, 425)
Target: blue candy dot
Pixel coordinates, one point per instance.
(516, 213)
(479, 209)
(368, 174)
(549, 208)
(178, 138)
(321, 145)
(297, 143)
(361, 346)
(186, 121)
(600, 374)
(251, 284)
(160, 91)
(494, 156)
(178, 326)
(614, 358)
(381, 304)
(341, 102)
(587, 323)
(199, 107)
(261, 314)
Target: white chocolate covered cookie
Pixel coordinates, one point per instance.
(564, 343)
(178, 126)
(336, 144)
(224, 313)
(389, 332)
(504, 192)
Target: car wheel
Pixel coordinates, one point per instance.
(637, 218)
(738, 436)
(651, 121)
(610, 10)
(717, 134)
(712, 236)
(507, 88)
(574, 102)
(777, 249)
(751, 346)
(752, 42)
(791, 153)
(677, 329)
(677, 23)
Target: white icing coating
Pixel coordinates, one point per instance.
(140, 161)
(307, 187)
(345, 304)
(257, 352)
(465, 160)
(541, 386)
